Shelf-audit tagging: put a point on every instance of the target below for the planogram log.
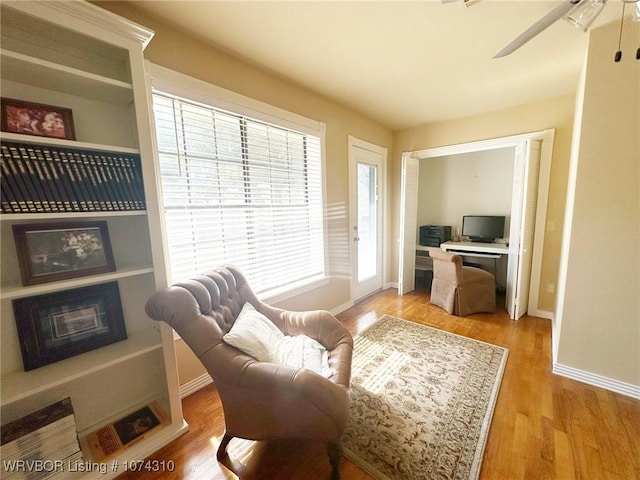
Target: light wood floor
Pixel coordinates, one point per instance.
(544, 426)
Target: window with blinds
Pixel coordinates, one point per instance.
(239, 190)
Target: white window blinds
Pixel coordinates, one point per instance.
(239, 190)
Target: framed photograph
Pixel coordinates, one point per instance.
(121, 434)
(37, 119)
(60, 325)
(56, 251)
(138, 423)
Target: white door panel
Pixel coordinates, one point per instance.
(366, 172)
(523, 221)
(408, 227)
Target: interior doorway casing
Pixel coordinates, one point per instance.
(408, 241)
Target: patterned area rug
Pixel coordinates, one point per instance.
(421, 401)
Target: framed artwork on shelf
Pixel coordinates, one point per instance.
(115, 437)
(37, 119)
(55, 326)
(48, 252)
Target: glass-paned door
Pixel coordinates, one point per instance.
(367, 170)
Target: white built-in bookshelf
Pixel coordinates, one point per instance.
(78, 56)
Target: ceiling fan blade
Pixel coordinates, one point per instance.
(541, 25)
(466, 3)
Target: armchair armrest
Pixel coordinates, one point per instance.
(317, 324)
(323, 327)
(326, 396)
(244, 373)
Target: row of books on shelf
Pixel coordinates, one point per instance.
(46, 179)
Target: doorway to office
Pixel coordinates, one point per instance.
(531, 170)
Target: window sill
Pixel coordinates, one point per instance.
(279, 295)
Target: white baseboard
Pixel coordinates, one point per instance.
(541, 314)
(194, 385)
(342, 308)
(596, 380)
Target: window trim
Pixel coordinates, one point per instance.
(178, 84)
(197, 90)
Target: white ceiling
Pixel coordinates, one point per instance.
(402, 63)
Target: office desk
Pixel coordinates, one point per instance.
(494, 251)
(476, 249)
(466, 249)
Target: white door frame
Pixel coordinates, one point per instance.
(354, 144)
(547, 137)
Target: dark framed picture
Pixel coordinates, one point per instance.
(56, 251)
(138, 423)
(60, 325)
(37, 119)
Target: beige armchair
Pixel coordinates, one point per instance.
(458, 289)
(261, 400)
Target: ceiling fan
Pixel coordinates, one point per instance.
(580, 13)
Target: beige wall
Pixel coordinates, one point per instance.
(189, 366)
(476, 183)
(179, 51)
(597, 328)
(551, 113)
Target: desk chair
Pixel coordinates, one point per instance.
(458, 289)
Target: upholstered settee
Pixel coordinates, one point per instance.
(261, 400)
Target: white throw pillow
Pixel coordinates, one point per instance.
(256, 335)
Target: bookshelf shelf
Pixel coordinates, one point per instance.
(11, 291)
(57, 142)
(153, 441)
(44, 74)
(19, 385)
(14, 217)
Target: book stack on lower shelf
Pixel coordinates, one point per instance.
(48, 179)
(41, 445)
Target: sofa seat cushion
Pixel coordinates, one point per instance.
(254, 334)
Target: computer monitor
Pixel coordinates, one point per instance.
(483, 228)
